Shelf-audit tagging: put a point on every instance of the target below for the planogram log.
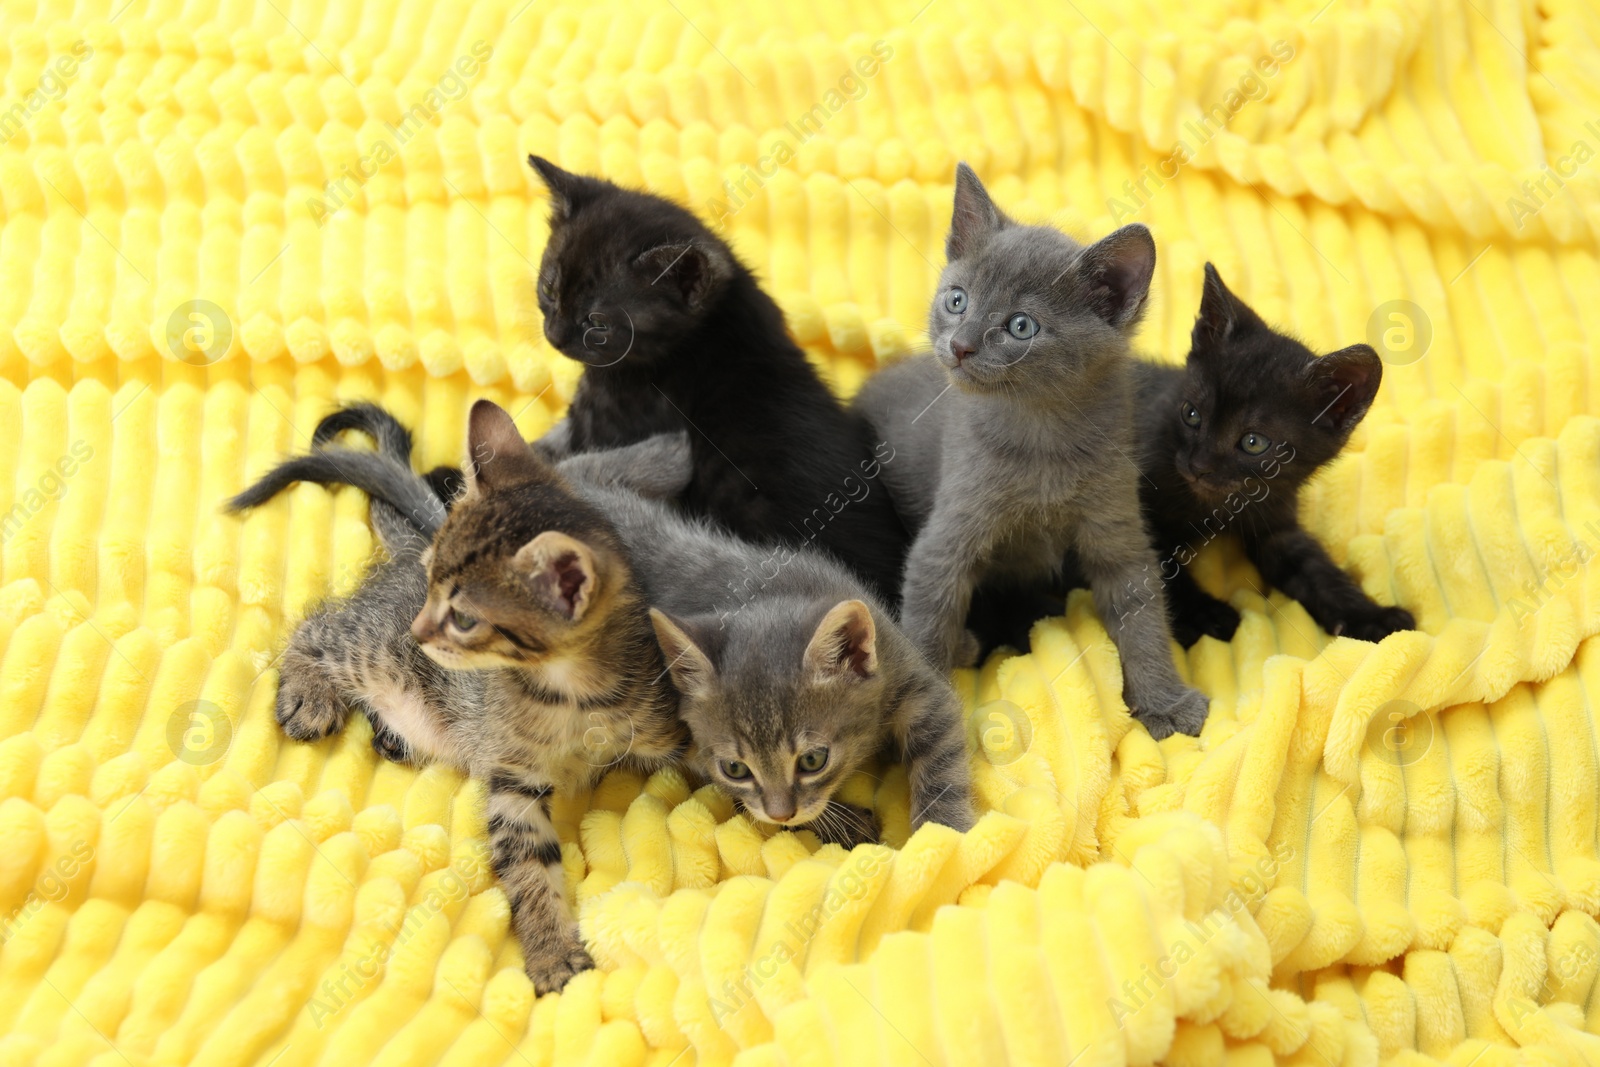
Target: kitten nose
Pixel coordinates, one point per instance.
(422, 628)
(960, 350)
(1201, 466)
(779, 808)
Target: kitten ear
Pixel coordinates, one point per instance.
(1222, 314)
(691, 668)
(975, 216)
(1116, 272)
(561, 572)
(691, 271)
(845, 644)
(497, 456)
(1347, 382)
(566, 188)
(1216, 318)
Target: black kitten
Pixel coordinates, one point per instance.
(676, 334)
(1225, 445)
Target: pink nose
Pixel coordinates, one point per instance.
(960, 350)
(778, 808)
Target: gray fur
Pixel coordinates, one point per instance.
(752, 612)
(1020, 452)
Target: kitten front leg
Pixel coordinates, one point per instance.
(526, 854)
(940, 576)
(931, 732)
(1195, 613)
(311, 701)
(1116, 557)
(1293, 561)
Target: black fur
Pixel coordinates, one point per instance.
(1199, 481)
(677, 334)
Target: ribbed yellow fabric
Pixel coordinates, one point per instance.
(1373, 854)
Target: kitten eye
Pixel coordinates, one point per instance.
(734, 769)
(461, 622)
(547, 290)
(1191, 414)
(813, 760)
(1022, 326)
(1254, 443)
(955, 301)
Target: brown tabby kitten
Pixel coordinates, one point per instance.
(550, 669)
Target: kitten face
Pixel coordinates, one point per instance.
(1257, 402)
(782, 709)
(522, 573)
(1026, 309)
(625, 275)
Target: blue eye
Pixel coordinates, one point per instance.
(955, 301)
(1191, 414)
(1254, 443)
(1022, 326)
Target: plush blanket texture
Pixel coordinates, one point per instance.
(223, 217)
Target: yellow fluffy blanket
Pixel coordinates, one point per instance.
(221, 218)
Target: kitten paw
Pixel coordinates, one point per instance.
(1217, 619)
(308, 708)
(1180, 711)
(1377, 625)
(550, 971)
(388, 744)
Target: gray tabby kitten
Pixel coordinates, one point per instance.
(515, 647)
(1016, 441)
(792, 684)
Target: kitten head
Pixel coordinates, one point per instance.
(1257, 402)
(522, 573)
(625, 275)
(1026, 309)
(783, 706)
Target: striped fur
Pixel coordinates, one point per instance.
(541, 700)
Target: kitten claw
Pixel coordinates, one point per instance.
(1183, 713)
(1379, 624)
(306, 708)
(550, 973)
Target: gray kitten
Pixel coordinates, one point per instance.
(516, 646)
(1015, 441)
(791, 683)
